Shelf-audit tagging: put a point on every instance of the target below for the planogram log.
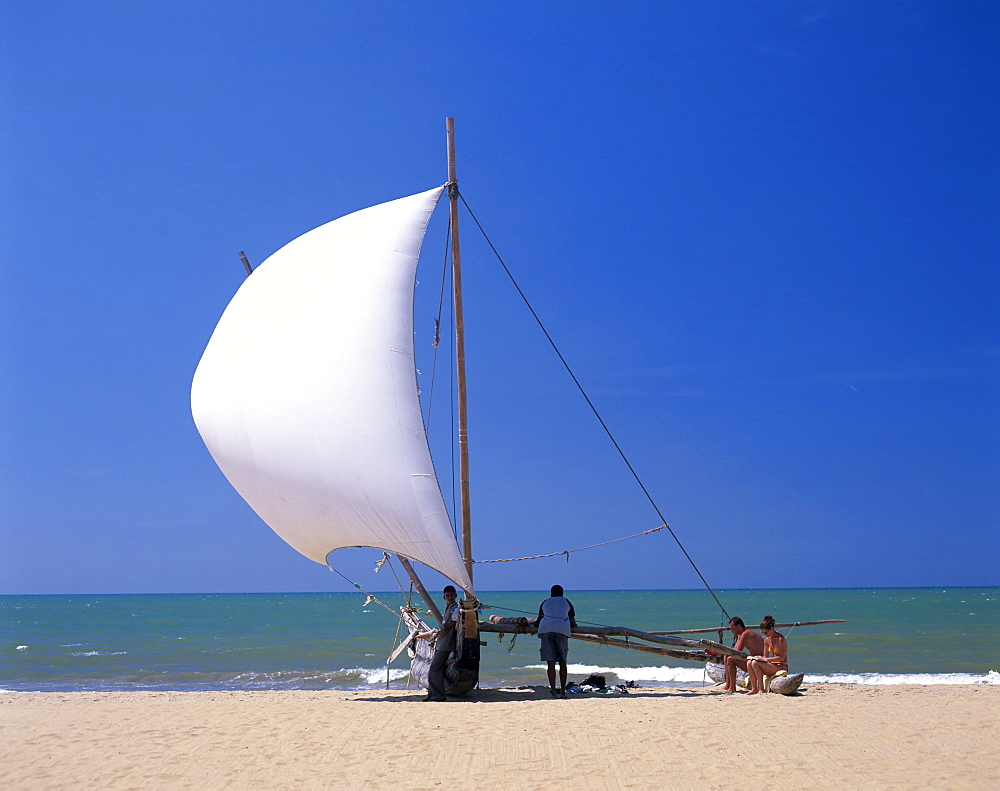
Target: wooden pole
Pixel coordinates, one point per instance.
(598, 633)
(776, 626)
(676, 653)
(463, 413)
(420, 588)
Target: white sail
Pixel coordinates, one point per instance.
(306, 395)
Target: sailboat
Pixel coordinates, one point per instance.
(306, 397)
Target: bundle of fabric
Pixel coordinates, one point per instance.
(598, 683)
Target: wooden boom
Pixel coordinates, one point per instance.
(697, 649)
(776, 626)
(693, 656)
(721, 630)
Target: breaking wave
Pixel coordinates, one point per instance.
(665, 675)
(992, 677)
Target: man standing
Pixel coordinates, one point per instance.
(748, 641)
(556, 620)
(445, 644)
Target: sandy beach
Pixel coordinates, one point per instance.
(831, 736)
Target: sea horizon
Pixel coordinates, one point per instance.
(501, 590)
(338, 640)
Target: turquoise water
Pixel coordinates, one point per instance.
(334, 640)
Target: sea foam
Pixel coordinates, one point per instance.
(665, 674)
(992, 677)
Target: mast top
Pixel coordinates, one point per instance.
(463, 410)
(452, 175)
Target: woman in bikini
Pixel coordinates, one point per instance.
(775, 657)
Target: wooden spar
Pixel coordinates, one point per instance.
(600, 632)
(776, 626)
(246, 264)
(401, 647)
(624, 631)
(692, 656)
(420, 588)
(463, 414)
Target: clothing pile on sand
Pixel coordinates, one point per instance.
(597, 683)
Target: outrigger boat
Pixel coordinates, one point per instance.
(306, 397)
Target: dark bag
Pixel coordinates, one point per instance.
(594, 680)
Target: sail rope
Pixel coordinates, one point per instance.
(395, 642)
(434, 366)
(437, 329)
(408, 596)
(567, 552)
(371, 596)
(590, 403)
(388, 561)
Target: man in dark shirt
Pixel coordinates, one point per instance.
(445, 644)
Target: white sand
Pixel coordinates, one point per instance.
(832, 736)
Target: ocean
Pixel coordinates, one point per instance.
(338, 641)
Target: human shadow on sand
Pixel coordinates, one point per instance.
(526, 693)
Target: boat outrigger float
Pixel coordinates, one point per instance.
(306, 397)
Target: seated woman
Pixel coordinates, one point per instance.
(775, 657)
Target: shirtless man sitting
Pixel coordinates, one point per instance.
(747, 641)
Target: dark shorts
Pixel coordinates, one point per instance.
(555, 647)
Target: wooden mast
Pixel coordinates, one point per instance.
(463, 415)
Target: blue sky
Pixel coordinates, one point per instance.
(763, 234)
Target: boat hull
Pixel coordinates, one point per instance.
(782, 685)
(718, 674)
(786, 685)
(461, 675)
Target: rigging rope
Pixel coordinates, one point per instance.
(371, 597)
(387, 560)
(395, 642)
(437, 329)
(567, 552)
(590, 403)
(434, 365)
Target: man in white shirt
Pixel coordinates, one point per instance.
(556, 620)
